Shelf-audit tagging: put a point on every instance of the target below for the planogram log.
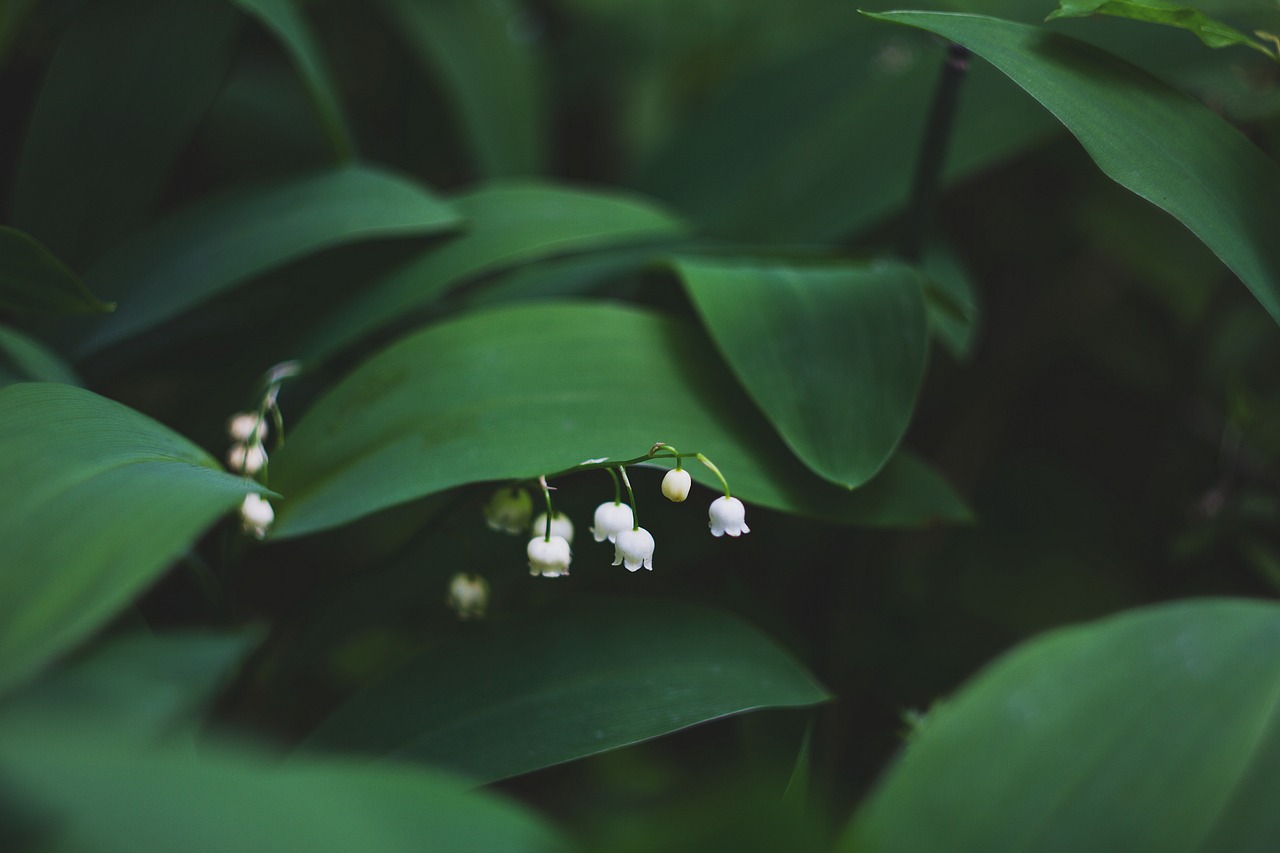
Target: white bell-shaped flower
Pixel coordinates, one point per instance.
(728, 515)
(244, 426)
(676, 485)
(468, 595)
(560, 526)
(246, 458)
(548, 557)
(633, 549)
(256, 515)
(611, 519)
(509, 510)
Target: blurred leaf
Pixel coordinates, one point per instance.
(96, 791)
(13, 15)
(950, 300)
(546, 696)
(519, 391)
(482, 56)
(289, 24)
(33, 280)
(1151, 730)
(829, 158)
(220, 242)
(144, 684)
(24, 359)
(98, 501)
(1150, 138)
(507, 224)
(128, 84)
(833, 355)
(1213, 33)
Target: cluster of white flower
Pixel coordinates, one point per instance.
(248, 454)
(549, 550)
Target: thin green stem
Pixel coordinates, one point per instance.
(631, 496)
(617, 487)
(714, 470)
(546, 494)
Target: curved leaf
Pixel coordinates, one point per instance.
(1151, 730)
(1144, 135)
(523, 390)
(33, 280)
(221, 242)
(93, 790)
(130, 81)
(23, 359)
(488, 71)
(833, 355)
(548, 697)
(507, 224)
(98, 501)
(290, 25)
(1212, 32)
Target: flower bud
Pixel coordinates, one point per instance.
(509, 510)
(676, 485)
(246, 458)
(244, 426)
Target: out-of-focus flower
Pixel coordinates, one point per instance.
(509, 510)
(256, 515)
(468, 595)
(560, 526)
(246, 458)
(244, 426)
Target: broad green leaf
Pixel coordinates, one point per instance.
(32, 280)
(146, 685)
(507, 224)
(287, 21)
(98, 501)
(826, 160)
(94, 790)
(1152, 730)
(24, 359)
(482, 57)
(547, 697)
(519, 391)
(129, 82)
(218, 243)
(1144, 135)
(833, 355)
(1212, 32)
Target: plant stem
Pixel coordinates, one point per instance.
(933, 153)
(631, 496)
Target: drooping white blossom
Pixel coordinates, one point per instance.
(246, 458)
(633, 549)
(244, 426)
(256, 515)
(549, 558)
(728, 516)
(676, 485)
(468, 595)
(560, 526)
(610, 519)
(509, 510)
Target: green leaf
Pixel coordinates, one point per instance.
(1152, 730)
(548, 697)
(507, 224)
(489, 72)
(145, 684)
(1146, 136)
(220, 242)
(98, 501)
(129, 82)
(289, 24)
(92, 790)
(834, 355)
(950, 300)
(24, 359)
(1212, 32)
(33, 280)
(519, 391)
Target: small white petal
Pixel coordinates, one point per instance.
(610, 519)
(728, 516)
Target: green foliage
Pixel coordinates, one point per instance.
(390, 260)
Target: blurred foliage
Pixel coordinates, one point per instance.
(507, 236)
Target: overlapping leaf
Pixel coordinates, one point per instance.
(33, 280)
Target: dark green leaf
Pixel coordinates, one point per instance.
(23, 359)
(290, 25)
(1212, 32)
(1152, 730)
(221, 242)
(128, 85)
(98, 501)
(94, 790)
(482, 55)
(546, 696)
(524, 390)
(950, 300)
(33, 280)
(833, 355)
(145, 684)
(507, 224)
(1144, 135)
